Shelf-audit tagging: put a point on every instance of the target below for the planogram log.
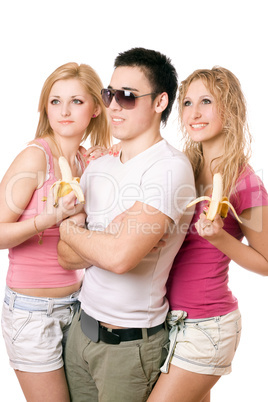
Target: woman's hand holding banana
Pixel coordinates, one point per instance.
(211, 221)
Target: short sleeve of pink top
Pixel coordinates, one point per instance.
(32, 265)
(198, 281)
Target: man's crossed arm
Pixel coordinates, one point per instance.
(138, 230)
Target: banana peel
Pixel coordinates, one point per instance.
(217, 203)
(67, 184)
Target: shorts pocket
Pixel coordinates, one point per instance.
(198, 342)
(19, 324)
(208, 330)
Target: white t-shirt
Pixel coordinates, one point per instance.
(161, 177)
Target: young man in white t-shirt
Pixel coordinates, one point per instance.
(118, 339)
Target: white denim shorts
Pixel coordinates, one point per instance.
(208, 346)
(35, 330)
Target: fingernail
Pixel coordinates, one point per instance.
(102, 154)
(88, 162)
(205, 209)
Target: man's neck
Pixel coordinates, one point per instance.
(133, 147)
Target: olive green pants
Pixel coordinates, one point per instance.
(112, 373)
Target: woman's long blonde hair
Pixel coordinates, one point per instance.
(226, 89)
(98, 128)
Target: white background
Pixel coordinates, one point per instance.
(38, 36)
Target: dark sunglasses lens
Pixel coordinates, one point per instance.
(125, 99)
(107, 97)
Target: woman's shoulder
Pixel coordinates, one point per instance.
(250, 191)
(249, 180)
(33, 156)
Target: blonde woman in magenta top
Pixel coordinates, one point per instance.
(40, 295)
(204, 339)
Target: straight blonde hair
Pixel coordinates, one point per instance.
(98, 128)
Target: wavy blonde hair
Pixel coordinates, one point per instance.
(231, 103)
(98, 128)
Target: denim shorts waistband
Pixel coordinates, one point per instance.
(193, 320)
(32, 303)
(215, 318)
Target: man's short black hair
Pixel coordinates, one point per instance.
(158, 70)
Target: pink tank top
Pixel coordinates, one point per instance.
(198, 280)
(32, 265)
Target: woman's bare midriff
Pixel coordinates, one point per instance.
(51, 292)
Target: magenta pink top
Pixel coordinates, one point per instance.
(32, 265)
(198, 281)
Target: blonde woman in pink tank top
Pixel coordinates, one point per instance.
(205, 314)
(41, 296)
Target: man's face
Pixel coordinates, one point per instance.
(129, 124)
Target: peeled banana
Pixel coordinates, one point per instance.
(218, 203)
(67, 183)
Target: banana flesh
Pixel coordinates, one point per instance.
(67, 183)
(218, 203)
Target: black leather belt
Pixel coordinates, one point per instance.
(96, 332)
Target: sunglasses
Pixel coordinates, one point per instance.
(125, 99)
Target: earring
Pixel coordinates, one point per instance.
(94, 115)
